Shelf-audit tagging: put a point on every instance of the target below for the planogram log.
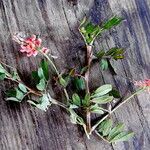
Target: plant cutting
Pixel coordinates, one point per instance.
(83, 102)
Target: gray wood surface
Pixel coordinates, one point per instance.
(26, 128)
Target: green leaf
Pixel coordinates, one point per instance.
(35, 76)
(15, 76)
(105, 127)
(102, 99)
(113, 134)
(41, 73)
(116, 57)
(79, 83)
(14, 95)
(102, 90)
(13, 99)
(115, 53)
(19, 94)
(76, 99)
(83, 21)
(104, 64)
(112, 51)
(72, 106)
(62, 82)
(72, 72)
(83, 70)
(11, 93)
(2, 69)
(123, 136)
(100, 54)
(43, 103)
(86, 100)
(115, 131)
(22, 87)
(67, 79)
(119, 51)
(75, 119)
(2, 76)
(114, 21)
(80, 121)
(96, 109)
(115, 93)
(90, 28)
(89, 31)
(44, 66)
(41, 86)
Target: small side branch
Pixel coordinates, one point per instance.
(30, 90)
(115, 108)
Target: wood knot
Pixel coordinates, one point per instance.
(73, 2)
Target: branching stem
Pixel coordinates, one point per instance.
(101, 136)
(30, 90)
(7, 65)
(86, 77)
(51, 63)
(115, 108)
(54, 101)
(57, 72)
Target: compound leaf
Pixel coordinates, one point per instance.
(123, 136)
(117, 129)
(105, 127)
(114, 21)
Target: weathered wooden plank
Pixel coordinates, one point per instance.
(123, 38)
(24, 128)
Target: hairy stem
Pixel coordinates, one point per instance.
(54, 101)
(66, 94)
(115, 108)
(89, 60)
(9, 77)
(86, 77)
(57, 72)
(30, 90)
(7, 65)
(51, 62)
(85, 130)
(101, 137)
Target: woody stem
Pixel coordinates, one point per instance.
(86, 77)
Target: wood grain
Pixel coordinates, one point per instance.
(26, 128)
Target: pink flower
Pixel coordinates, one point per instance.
(143, 84)
(31, 45)
(45, 50)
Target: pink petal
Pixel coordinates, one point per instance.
(29, 54)
(38, 42)
(45, 50)
(35, 53)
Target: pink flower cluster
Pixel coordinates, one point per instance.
(143, 84)
(32, 45)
